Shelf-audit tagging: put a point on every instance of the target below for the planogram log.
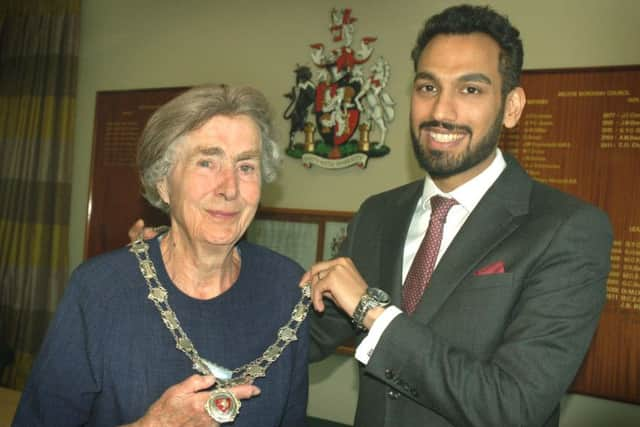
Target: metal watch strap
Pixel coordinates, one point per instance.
(365, 304)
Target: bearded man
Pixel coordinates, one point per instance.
(473, 293)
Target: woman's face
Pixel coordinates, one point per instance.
(214, 187)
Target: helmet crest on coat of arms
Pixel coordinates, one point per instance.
(341, 112)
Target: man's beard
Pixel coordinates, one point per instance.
(441, 164)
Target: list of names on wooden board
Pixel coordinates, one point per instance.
(580, 132)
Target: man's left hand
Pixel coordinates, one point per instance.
(338, 280)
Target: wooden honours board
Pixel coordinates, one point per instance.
(580, 132)
(115, 201)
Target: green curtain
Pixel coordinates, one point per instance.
(38, 79)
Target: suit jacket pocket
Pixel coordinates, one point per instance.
(476, 283)
(477, 312)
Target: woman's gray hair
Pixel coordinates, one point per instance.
(168, 126)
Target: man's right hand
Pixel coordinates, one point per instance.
(138, 230)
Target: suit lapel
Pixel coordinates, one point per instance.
(396, 227)
(497, 215)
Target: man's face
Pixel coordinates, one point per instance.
(457, 110)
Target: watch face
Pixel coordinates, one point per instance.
(379, 295)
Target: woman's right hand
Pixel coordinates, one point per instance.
(183, 404)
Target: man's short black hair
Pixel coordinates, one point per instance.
(466, 19)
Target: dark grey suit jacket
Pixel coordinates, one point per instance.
(480, 350)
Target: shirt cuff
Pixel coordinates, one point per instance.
(369, 343)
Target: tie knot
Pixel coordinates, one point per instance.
(440, 207)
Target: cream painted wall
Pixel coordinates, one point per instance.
(127, 44)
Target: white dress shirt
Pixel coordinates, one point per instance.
(468, 196)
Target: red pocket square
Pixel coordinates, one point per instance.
(495, 268)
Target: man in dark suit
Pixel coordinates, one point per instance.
(495, 337)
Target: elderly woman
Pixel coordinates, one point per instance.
(176, 330)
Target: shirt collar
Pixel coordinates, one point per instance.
(468, 194)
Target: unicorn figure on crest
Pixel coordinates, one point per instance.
(378, 105)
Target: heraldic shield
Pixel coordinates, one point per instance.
(337, 116)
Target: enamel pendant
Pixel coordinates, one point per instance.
(222, 405)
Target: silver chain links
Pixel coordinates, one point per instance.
(248, 372)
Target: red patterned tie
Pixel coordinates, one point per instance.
(422, 266)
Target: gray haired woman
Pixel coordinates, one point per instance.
(177, 329)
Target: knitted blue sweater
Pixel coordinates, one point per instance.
(108, 356)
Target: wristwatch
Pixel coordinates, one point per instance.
(374, 297)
